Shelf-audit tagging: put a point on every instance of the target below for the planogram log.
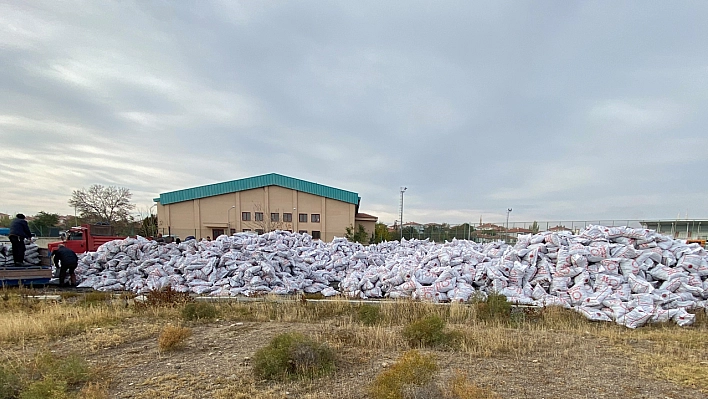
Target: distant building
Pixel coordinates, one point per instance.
(680, 229)
(261, 204)
(417, 227)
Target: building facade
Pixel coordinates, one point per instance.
(260, 204)
(680, 229)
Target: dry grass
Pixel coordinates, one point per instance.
(667, 351)
(52, 320)
(173, 338)
(413, 368)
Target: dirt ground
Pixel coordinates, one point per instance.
(216, 364)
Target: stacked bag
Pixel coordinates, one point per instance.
(630, 276)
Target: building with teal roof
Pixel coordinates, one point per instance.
(261, 204)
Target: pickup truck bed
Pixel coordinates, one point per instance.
(25, 275)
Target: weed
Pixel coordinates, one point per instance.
(199, 311)
(173, 338)
(427, 331)
(412, 368)
(47, 388)
(9, 383)
(293, 355)
(496, 308)
(369, 315)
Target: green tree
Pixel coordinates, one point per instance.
(534, 227)
(148, 227)
(103, 204)
(359, 235)
(43, 222)
(5, 221)
(381, 234)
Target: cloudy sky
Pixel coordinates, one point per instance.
(557, 109)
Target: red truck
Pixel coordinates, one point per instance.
(85, 238)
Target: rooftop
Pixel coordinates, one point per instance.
(249, 183)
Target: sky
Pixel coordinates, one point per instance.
(559, 110)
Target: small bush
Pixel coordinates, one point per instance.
(173, 338)
(411, 369)
(199, 311)
(9, 383)
(369, 315)
(46, 388)
(427, 331)
(293, 355)
(496, 308)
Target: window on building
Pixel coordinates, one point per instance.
(274, 217)
(217, 232)
(287, 217)
(302, 231)
(289, 231)
(233, 231)
(246, 230)
(302, 218)
(259, 216)
(315, 234)
(259, 231)
(246, 216)
(315, 218)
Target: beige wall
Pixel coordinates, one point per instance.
(200, 217)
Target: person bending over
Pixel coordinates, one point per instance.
(68, 260)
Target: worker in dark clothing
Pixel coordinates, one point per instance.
(68, 260)
(19, 231)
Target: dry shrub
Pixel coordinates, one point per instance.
(199, 311)
(412, 368)
(428, 331)
(293, 355)
(165, 297)
(173, 338)
(94, 391)
(459, 387)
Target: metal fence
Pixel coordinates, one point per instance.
(494, 231)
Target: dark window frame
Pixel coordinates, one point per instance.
(315, 218)
(287, 217)
(246, 216)
(258, 217)
(316, 234)
(302, 231)
(274, 217)
(302, 217)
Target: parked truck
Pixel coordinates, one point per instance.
(80, 239)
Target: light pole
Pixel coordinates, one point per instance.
(403, 190)
(508, 211)
(228, 219)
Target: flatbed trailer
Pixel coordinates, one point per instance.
(25, 275)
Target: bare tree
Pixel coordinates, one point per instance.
(267, 224)
(103, 204)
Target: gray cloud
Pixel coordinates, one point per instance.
(560, 110)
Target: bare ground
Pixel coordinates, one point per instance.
(216, 364)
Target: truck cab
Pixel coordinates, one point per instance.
(85, 238)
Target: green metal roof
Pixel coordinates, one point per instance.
(249, 183)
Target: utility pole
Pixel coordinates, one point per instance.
(508, 211)
(403, 190)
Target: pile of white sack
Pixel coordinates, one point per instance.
(630, 276)
(31, 254)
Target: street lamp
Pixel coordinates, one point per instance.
(228, 219)
(508, 211)
(403, 190)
